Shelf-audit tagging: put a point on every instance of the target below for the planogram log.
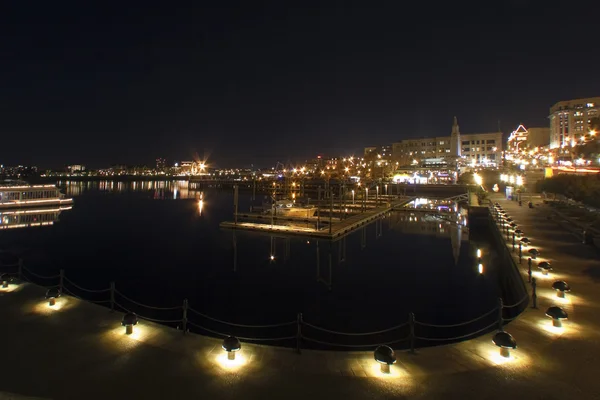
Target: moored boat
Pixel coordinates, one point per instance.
(20, 194)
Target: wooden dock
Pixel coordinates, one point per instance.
(331, 232)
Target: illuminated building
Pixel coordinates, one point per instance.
(478, 148)
(76, 168)
(570, 120)
(161, 164)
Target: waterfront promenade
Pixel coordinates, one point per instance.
(78, 350)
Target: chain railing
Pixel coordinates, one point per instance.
(298, 330)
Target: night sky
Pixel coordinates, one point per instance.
(259, 82)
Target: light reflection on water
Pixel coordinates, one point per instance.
(160, 252)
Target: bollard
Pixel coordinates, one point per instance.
(533, 292)
(411, 322)
(513, 242)
(112, 297)
(500, 308)
(184, 319)
(529, 274)
(520, 253)
(298, 332)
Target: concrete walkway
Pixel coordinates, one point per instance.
(77, 350)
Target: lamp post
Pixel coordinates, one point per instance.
(352, 196)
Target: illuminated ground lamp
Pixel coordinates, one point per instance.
(231, 344)
(545, 267)
(385, 356)
(557, 314)
(5, 279)
(518, 232)
(561, 288)
(534, 253)
(509, 220)
(505, 341)
(513, 225)
(525, 241)
(51, 295)
(129, 320)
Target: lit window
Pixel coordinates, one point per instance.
(590, 104)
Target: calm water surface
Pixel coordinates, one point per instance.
(153, 241)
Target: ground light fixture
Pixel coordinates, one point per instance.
(5, 279)
(534, 253)
(557, 314)
(561, 288)
(505, 341)
(525, 241)
(385, 356)
(513, 225)
(544, 266)
(518, 232)
(231, 345)
(52, 294)
(129, 320)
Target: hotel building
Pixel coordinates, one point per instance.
(570, 120)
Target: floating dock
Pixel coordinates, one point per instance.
(329, 231)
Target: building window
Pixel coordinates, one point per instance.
(465, 149)
(441, 142)
(491, 141)
(465, 142)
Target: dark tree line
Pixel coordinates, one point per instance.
(583, 188)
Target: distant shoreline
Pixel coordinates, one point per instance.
(116, 178)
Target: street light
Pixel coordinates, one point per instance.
(477, 179)
(352, 196)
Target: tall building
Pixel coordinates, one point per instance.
(570, 120)
(455, 145)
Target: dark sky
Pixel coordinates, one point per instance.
(256, 82)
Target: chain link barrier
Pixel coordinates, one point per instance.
(299, 323)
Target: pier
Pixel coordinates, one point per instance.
(330, 231)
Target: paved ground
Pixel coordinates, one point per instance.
(78, 350)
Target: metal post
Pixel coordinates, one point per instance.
(184, 319)
(112, 296)
(61, 281)
(318, 216)
(330, 211)
(234, 252)
(298, 332)
(500, 308)
(520, 253)
(235, 202)
(318, 262)
(533, 292)
(411, 323)
(513, 242)
(529, 274)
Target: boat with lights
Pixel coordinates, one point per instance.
(19, 194)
